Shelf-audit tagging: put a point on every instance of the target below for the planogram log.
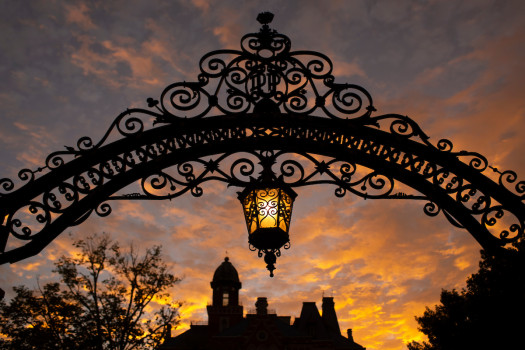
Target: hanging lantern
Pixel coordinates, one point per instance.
(267, 209)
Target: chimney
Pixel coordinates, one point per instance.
(349, 333)
(262, 306)
(329, 315)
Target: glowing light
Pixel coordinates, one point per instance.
(267, 205)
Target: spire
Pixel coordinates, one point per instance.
(329, 315)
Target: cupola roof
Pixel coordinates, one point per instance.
(226, 274)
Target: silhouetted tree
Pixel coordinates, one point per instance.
(487, 314)
(103, 302)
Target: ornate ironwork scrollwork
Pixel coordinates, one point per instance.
(304, 170)
(265, 72)
(289, 115)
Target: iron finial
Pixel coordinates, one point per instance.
(265, 18)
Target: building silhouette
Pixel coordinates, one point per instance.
(261, 329)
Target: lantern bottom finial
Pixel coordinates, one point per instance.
(270, 259)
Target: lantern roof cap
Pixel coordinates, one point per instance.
(265, 181)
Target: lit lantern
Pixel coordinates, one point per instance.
(267, 209)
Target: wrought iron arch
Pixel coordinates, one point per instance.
(262, 107)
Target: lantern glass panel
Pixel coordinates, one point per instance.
(267, 208)
(250, 212)
(267, 201)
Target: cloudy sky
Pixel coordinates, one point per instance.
(67, 68)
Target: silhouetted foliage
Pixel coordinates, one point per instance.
(103, 302)
(487, 314)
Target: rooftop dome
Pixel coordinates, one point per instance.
(226, 274)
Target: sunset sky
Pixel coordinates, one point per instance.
(68, 68)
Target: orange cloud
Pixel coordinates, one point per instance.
(203, 5)
(123, 61)
(78, 14)
(348, 69)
